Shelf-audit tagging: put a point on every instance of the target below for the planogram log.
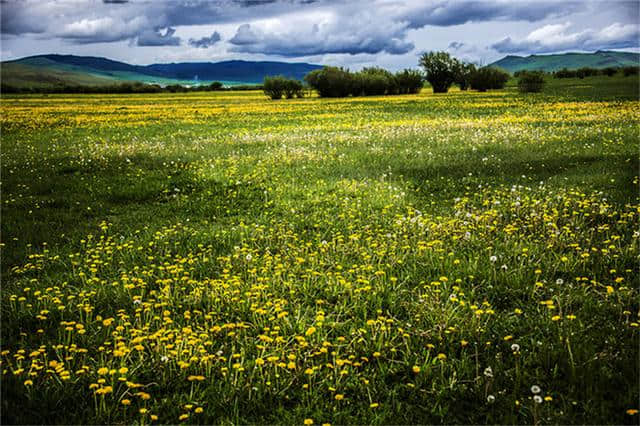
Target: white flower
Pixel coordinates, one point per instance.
(515, 347)
(249, 257)
(503, 267)
(164, 358)
(491, 399)
(488, 372)
(535, 389)
(493, 259)
(559, 281)
(537, 399)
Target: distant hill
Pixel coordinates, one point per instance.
(51, 70)
(599, 59)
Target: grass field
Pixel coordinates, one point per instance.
(223, 258)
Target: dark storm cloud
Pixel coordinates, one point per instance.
(156, 38)
(449, 13)
(205, 42)
(315, 40)
(384, 27)
(300, 27)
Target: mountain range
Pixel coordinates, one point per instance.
(48, 70)
(599, 59)
(44, 71)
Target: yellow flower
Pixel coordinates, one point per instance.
(632, 411)
(28, 382)
(126, 402)
(123, 370)
(339, 397)
(374, 405)
(416, 369)
(442, 356)
(310, 331)
(183, 417)
(103, 371)
(259, 361)
(199, 410)
(143, 411)
(308, 421)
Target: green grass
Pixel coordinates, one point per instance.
(410, 240)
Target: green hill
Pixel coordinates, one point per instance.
(599, 59)
(53, 70)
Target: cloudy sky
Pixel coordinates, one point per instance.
(353, 33)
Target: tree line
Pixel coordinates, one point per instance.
(590, 72)
(440, 69)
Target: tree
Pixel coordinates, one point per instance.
(530, 81)
(440, 69)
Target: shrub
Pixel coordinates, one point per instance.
(530, 81)
(409, 81)
(274, 87)
(564, 73)
(331, 82)
(215, 85)
(586, 72)
(440, 69)
(609, 71)
(488, 78)
(293, 87)
(374, 82)
(463, 74)
(627, 71)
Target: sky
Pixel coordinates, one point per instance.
(354, 34)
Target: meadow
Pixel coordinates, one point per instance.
(221, 258)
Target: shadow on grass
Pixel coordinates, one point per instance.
(59, 202)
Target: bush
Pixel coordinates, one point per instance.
(627, 71)
(463, 74)
(564, 73)
(215, 85)
(609, 71)
(440, 69)
(337, 82)
(293, 87)
(530, 81)
(374, 82)
(409, 81)
(586, 72)
(276, 87)
(331, 82)
(488, 78)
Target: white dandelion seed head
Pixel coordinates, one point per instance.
(493, 259)
(488, 372)
(491, 399)
(537, 399)
(515, 347)
(535, 389)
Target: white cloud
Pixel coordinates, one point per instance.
(557, 37)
